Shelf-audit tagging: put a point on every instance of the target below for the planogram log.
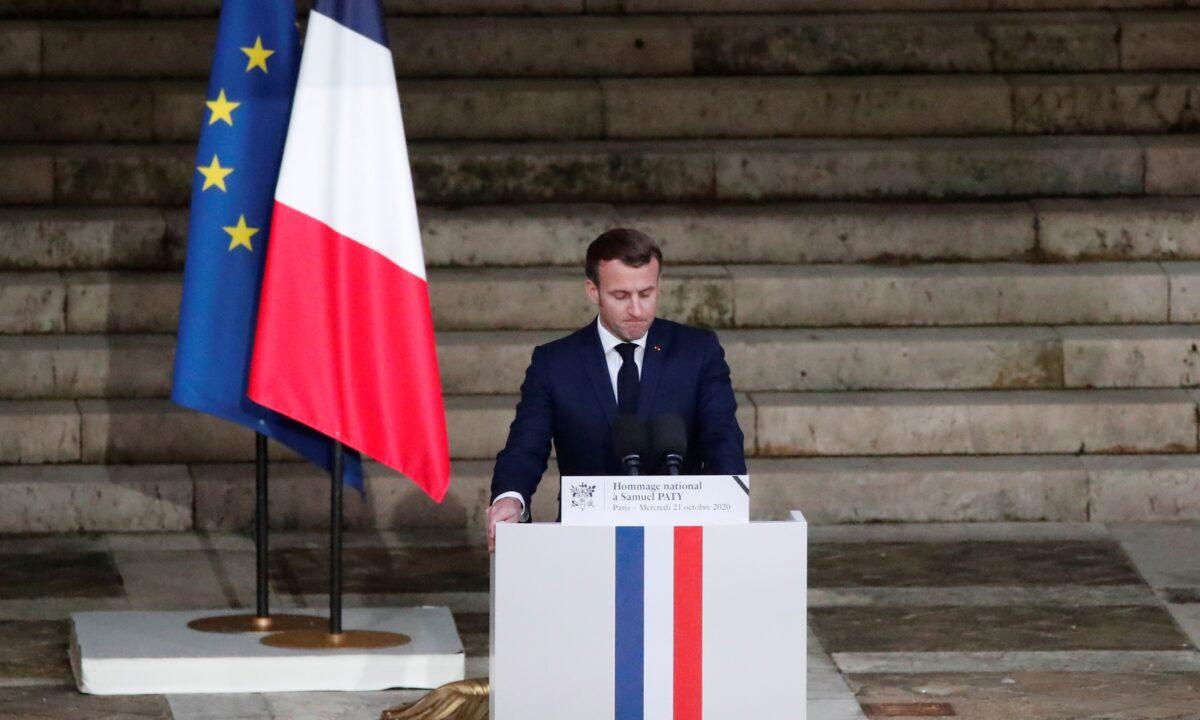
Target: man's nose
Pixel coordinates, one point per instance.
(635, 306)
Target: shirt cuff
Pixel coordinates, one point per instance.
(519, 498)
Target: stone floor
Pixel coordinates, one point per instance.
(987, 621)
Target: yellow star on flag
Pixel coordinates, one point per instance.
(258, 55)
(214, 174)
(222, 109)
(240, 234)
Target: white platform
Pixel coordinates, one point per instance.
(134, 653)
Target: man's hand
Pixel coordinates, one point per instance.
(503, 510)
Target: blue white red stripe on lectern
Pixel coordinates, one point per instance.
(630, 630)
(659, 623)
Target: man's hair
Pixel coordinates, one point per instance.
(632, 247)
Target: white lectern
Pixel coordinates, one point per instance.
(650, 622)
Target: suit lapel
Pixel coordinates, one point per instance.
(592, 355)
(653, 360)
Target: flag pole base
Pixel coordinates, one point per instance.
(323, 640)
(255, 624)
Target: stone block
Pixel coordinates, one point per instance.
(798, 44)
(126, 175)
(975, 423)
(179, 112)
(1159, 41)
(971, 489)
(1044, 42)
(794, 6)
(985, 294)
(1184, 278)
(20, 50)
(86, 366)
(541, 47)
(528, 299)
(151, 49)
(1082, 4)
(32, 433)
(122, 302)
(1105, 104)
(806, 107)
(1144, 489)
(1132, 356)
(487, 363)
(894, 359)
(159, 431)
(299, 498)
(442, 110)
(478, 424)
(558, 234)
(928, 168)
(44, 112)
(1171, 164)
(513, 235)
(81, 239)
(95, 498)
(801, 233)
(32, 303)
(573, 172)
(66, 8)
(26, 177)
(1119, 229)
(176, 237)
(502, 109)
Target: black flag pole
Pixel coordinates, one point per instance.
(261, 527)
(262, 620)
(335, 542)
(336, 637)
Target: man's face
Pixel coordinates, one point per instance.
(627, 297)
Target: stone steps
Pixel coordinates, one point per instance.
(741, 296)
(958, 422)
(115, 238)
(630, 108)
(65, 367)
(220, 497)
(664, 170)
(598, 46)
(210, 8)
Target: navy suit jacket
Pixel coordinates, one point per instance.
(567, 398)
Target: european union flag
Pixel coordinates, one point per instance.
(241, 145)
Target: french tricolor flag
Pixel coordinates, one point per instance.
(344, 341)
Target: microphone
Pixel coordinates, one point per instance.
(668, 441)
(629, 442)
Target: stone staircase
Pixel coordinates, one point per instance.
(951, 246)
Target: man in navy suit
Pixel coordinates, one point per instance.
(626, 361)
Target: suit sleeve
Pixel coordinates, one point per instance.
(719, 438)
(520, 465)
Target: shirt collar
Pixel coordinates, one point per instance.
(609, 341)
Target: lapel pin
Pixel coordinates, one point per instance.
(658, 348)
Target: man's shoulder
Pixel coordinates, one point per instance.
(568, 342)
(681, 334)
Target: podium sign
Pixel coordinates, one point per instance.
(652, 500)
(660, 623)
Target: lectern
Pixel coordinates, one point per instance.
(654, 621)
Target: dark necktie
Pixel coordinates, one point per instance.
(627, 380)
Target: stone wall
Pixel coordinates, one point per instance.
(949, 246)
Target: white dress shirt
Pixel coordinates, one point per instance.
(613, 359)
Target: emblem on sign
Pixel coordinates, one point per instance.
(583, 496)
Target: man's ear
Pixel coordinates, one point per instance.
(593, 292)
